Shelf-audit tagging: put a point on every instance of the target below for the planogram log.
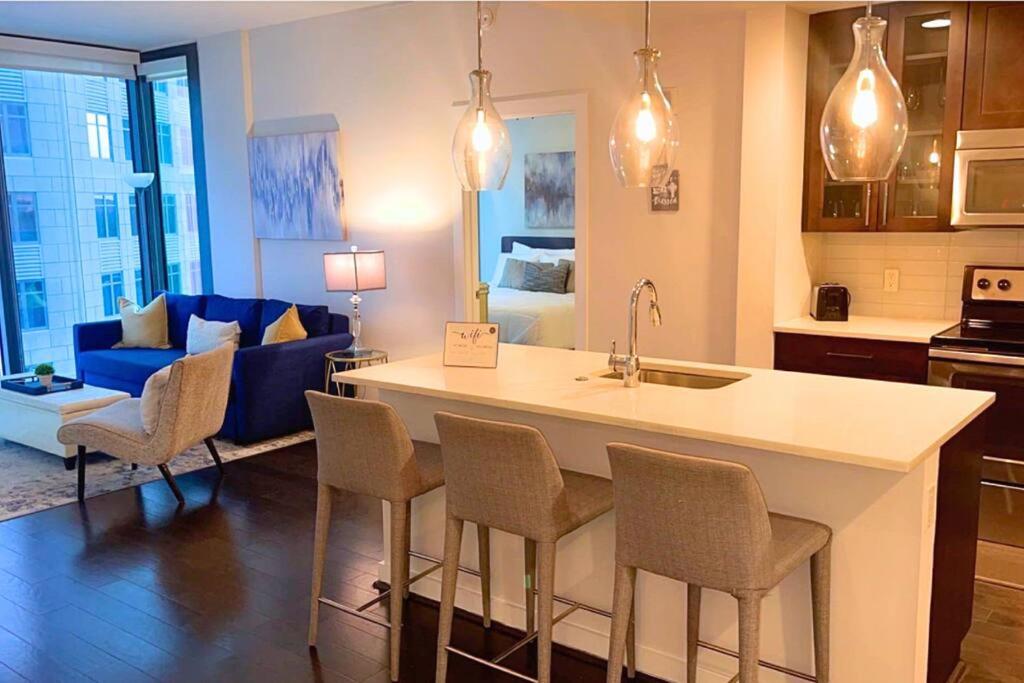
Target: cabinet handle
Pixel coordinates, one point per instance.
(885, 203)
(851, 356)
(867, 207)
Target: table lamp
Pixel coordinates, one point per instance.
(355, 271)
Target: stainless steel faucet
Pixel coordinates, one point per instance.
(629, 365)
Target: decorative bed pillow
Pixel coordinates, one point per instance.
(502, 261)
(545, 277)
(286, 328)
(143, 328)
(570, 281)
(520, 250)
(152, 397)
(206, 335)
(515, 272)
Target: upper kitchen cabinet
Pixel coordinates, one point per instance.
(925, 48)
(993, 93)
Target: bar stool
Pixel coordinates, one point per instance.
(504, 476)
(705, 522)
(364, 448)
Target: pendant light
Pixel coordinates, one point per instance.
(644, 136)
(864, 125)
(481, 149)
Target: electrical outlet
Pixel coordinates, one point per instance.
(891, 280)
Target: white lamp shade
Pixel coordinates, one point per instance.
(355, 271)
(139, 180)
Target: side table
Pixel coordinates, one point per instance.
(339, 361)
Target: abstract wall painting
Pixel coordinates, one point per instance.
(297, 191)
(550, 184)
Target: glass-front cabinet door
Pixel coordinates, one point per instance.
(926, 54)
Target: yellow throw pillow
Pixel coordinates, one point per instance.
(143, 328)
(286, 328)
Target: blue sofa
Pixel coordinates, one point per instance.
(267, 382)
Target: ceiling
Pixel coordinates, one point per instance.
(146, 25)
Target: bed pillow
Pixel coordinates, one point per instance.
(143, 328)
(519, 250)
(545, 277)
(570, 281)
(515, 271)
(206, 335)
(499, 266)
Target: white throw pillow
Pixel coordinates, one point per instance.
(543, 255)
(152, 397)
(206, 335)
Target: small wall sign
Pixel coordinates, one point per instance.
(471, 345)
(666, 198)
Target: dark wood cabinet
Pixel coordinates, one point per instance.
(848, 357)
(994, 83)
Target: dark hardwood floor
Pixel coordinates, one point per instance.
(129, 588)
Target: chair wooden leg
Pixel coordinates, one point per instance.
(750, 635)
(622, 610)
(821, 574)
(408, 547)
(545, 609)
(449, 577)
(399, 579)
(213, 451)
(169, 478)
(321, 531)
(483, 537)
(631, 641)
(530, 583)
(692, 630)
(81, 474)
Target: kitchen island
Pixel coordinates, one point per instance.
(888, 466)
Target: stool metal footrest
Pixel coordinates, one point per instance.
(361, 610)
(489, 664)
(762, 663)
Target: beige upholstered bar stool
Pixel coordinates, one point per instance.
(705, 522)
(505, 476)
(364, 448)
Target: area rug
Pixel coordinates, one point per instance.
(31, 480)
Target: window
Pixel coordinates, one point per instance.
(106, 216)
(133, 214)
(32, 304)
(126, 130)
(24, 220)
(113, 289)
(170, 209)
(138, 284)
(174, 277)
(98, 131)
(191, 217)
(164, 143)
(14, 128)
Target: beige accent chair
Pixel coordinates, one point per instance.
(191, 410)
(704, 522)
(505, 476)
(364, 448)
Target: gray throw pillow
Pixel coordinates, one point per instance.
(545, 277)
(515, 271)
(570, 282)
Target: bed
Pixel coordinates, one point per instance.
(534, 318)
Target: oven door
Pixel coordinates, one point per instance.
(988, 187)
(1002, 492)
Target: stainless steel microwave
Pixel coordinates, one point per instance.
(988, 179)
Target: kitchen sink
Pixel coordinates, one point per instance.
(691, 379)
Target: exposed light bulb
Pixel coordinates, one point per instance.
(646, 128)
(934, 157)
(482, 139)
(939, 22)
(865, 105)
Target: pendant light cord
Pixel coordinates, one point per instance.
(647, 25)
(869, 10)
(480, 50)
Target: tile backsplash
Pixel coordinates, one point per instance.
(931, 267)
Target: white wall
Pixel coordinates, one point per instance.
(504, 212)
(390, 75)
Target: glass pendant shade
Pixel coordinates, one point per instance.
(864, 125)
(644, 137)
(481, 149)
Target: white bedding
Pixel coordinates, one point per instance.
(535, 318)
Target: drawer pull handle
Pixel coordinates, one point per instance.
(851, 356)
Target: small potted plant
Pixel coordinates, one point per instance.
(45, 372)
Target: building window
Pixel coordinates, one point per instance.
(170, 209)
(98, 131)
(174, 277)
(32, 304)
(113, 289)
(14, 128)
(24, 219)
(191, 218)
(138, 284)
(164, 143)
(133, 214)
(106, 216)
(126, 130)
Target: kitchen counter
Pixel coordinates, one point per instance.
(891, 468)
(869, 327)
(854, 421)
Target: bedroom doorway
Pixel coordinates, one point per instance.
(526, 236)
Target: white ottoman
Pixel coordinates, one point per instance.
(34, 420)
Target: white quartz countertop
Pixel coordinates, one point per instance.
(869, 327)
(881, 425)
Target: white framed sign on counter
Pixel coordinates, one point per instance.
(471, 345)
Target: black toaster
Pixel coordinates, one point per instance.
(830, 301)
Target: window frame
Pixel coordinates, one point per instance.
(101, 132)
(14, 199)
(109, 211)
(4, 123)
(116, 291)
(22, 304)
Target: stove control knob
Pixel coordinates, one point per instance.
(1004, 285)
(984, 283)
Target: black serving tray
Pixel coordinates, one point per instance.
(33, 387)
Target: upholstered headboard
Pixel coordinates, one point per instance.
(537, 242)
